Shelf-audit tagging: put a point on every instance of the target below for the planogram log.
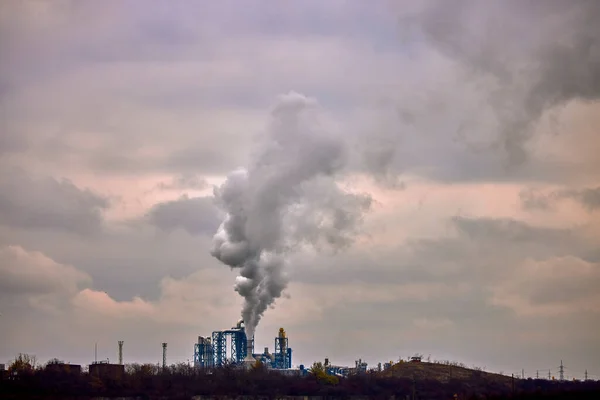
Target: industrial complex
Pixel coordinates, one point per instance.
(233, 347)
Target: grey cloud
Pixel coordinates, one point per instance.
(196, 215)
(214, 159)
(533, 200)
(44, 202)
(453, 278)
(479, 251)
(516, 43)
(589, 198)
(11, 141)
(507, 230)
(125, 260)
(29, 273)
(564, 291)
(183, 182)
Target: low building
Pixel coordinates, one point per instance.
(64, 368)
(107, 371)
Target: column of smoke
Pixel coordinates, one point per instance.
(286, 198)
(527, 57)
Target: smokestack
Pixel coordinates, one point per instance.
(249, 360)
(120, 352)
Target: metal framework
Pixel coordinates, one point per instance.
(237, 351)
(164, 354)
(282, 353)
(203, 353)
(219, 348)
(214, 351)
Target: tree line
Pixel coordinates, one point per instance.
(182, 381)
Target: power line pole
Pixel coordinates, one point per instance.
(549, 371)
(537, 374)
(164, 360)
(512, 376)
(562, 371)
(586, 375)
(522, 373)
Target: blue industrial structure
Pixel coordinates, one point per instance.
(283, 354)
(203, 353)
(239, 345)
(212, 352)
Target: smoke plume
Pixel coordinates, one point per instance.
(288, 197)
(533, 55)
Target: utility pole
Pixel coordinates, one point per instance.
(164, 363)
(522, 373)
(512, 376)
(549, 374)
(537, 374)
(562, 371)
(120, 352)
(586, 375)
(96, 352)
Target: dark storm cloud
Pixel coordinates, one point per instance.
(196, 215)
(47, 203)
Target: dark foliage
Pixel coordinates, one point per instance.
(183, 382)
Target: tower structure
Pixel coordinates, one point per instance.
(120, 352)
(561, 371)
(203, 353)
(241, 348)
(282, 351)
(164, 356)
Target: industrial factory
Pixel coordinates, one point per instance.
(211, 352)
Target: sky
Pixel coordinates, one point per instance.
(431, 170)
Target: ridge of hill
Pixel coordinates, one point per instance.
(443, 373)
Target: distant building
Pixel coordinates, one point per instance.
(107, 371)
(415, 359)
(64, 368)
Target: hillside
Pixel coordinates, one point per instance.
(443, 373)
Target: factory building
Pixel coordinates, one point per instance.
(212, 352)
(104, 370)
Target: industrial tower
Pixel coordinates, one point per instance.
(164, 360)
(120, 352)
(283, 354)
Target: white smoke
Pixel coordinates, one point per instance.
(286, 198)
